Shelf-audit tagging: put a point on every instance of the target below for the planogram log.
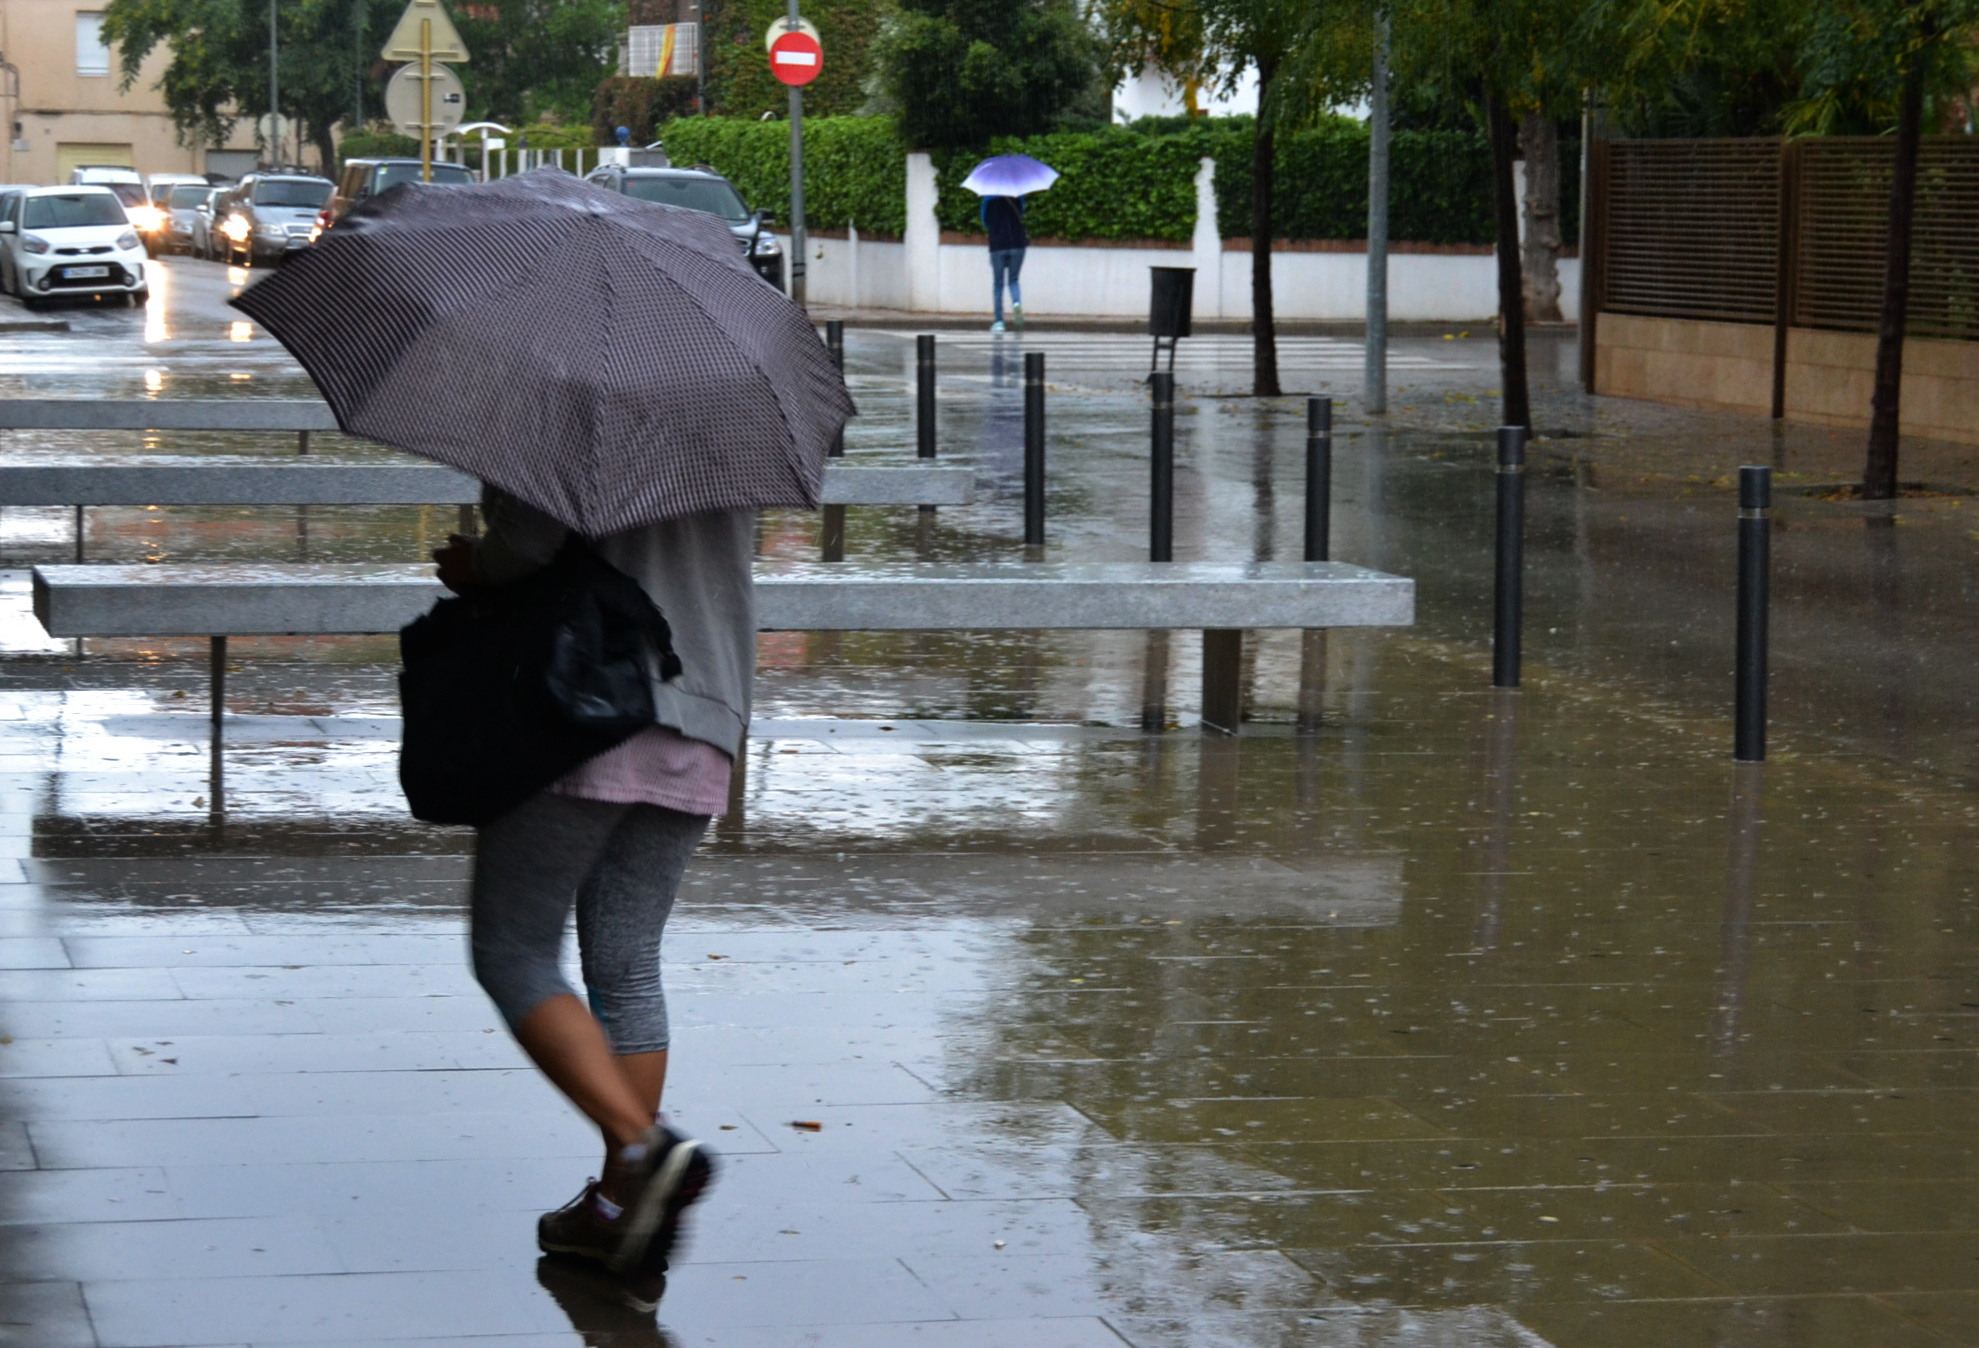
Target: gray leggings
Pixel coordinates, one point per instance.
(621, 864)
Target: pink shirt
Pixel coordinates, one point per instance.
(657, 766)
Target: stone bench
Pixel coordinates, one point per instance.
(220, 600)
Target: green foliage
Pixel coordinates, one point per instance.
(738, 65)
(638, 104)
(955, 74)
(376, 144)
(535, 56)
(1440, 186)
(854, 171)
(1115, 184)
(552, 136)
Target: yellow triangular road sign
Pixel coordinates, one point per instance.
(404, 43)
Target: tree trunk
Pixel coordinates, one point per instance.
(1264, 330)
(326, 145)
(1879, 470)
(1511, 297)
(1540, 139)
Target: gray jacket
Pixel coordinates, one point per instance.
(697, 569)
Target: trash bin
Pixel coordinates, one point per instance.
(1173, 296)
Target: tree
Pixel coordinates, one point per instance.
(535, 56)
(219, 67)
(738, 67)
(1285, 44)
(954, 73)
(1510, 57)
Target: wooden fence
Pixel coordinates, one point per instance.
(1787, 233)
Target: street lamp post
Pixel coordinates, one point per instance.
(274, 93)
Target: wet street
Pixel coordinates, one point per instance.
(1473, 1019)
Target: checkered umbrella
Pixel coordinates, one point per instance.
(610, 361)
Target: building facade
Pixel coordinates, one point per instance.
(63, 104)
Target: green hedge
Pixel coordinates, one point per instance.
(854, 171)
(1125, 183)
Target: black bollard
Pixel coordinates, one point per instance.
(1319, 479)
(1508, 602)
(835, 343)
(924, 395)
(1161, 498)
(1755, 565)
(1034, 448)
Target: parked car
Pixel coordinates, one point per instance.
(119, 178)
(153, 217)
(364, 178)
(702, 189)
(206, 240)
(182, 206)
(267, 215)
(69, 241)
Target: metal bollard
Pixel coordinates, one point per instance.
(1508, 600)
(1034, 448)
(1161, 497)
(835, 343)
(1755, 565)
(924, 395)
(1319, 479)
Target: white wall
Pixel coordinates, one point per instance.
(924, 275)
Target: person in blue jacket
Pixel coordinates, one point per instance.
(1003, 217)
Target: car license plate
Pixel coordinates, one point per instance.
(78, 273)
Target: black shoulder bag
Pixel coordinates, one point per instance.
(507, 688)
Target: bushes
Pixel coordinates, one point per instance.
(639, 104)
(854, 172)
(377, 145)
(1124, 183)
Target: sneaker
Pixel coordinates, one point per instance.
(1017, 316)
(997, 326)
(578, 1228)
(676, 1172)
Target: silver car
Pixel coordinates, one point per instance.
(268, 215)
(182, 211)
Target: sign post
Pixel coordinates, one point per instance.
(796, 58)
(425, 34)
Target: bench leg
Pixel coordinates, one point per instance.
(1312, 680)
(1154, 684)
(467, 528)
(1223, 679)
(831, 542)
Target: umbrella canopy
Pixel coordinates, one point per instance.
(1010, 175)
(610, 361)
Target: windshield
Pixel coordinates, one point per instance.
(307, 193)
(447, 175)
(65, 212)
(131, 194)
(159, 192)
(187, 197)
(696, 194)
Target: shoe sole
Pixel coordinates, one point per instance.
(680, 1180)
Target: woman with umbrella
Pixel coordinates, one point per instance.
(1003, 181)
(624, 385)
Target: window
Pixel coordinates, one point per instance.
(92, 57)
(73, 211)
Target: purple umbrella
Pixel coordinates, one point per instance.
(1010, 175)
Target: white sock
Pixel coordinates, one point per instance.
(606, 1208)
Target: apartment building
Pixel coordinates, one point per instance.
(61, 104)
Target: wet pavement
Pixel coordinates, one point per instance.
(1473, 1019)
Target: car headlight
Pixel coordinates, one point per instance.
(236, 229)
(147, 218)
(33, 244)
(127, 240)
(767, 246)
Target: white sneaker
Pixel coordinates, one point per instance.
(997, 326)
(1017, 315)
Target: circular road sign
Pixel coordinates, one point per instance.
(782, 26)
(402, 99)
(796, 58)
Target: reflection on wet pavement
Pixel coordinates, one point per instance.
(1466, 1019)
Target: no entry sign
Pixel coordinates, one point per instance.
(796, 58)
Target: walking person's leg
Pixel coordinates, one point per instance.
(998, 261)
(1016, 257)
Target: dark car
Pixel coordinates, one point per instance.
(268, 215)
(702, 189)
(363, 178)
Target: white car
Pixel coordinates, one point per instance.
(70, 241)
